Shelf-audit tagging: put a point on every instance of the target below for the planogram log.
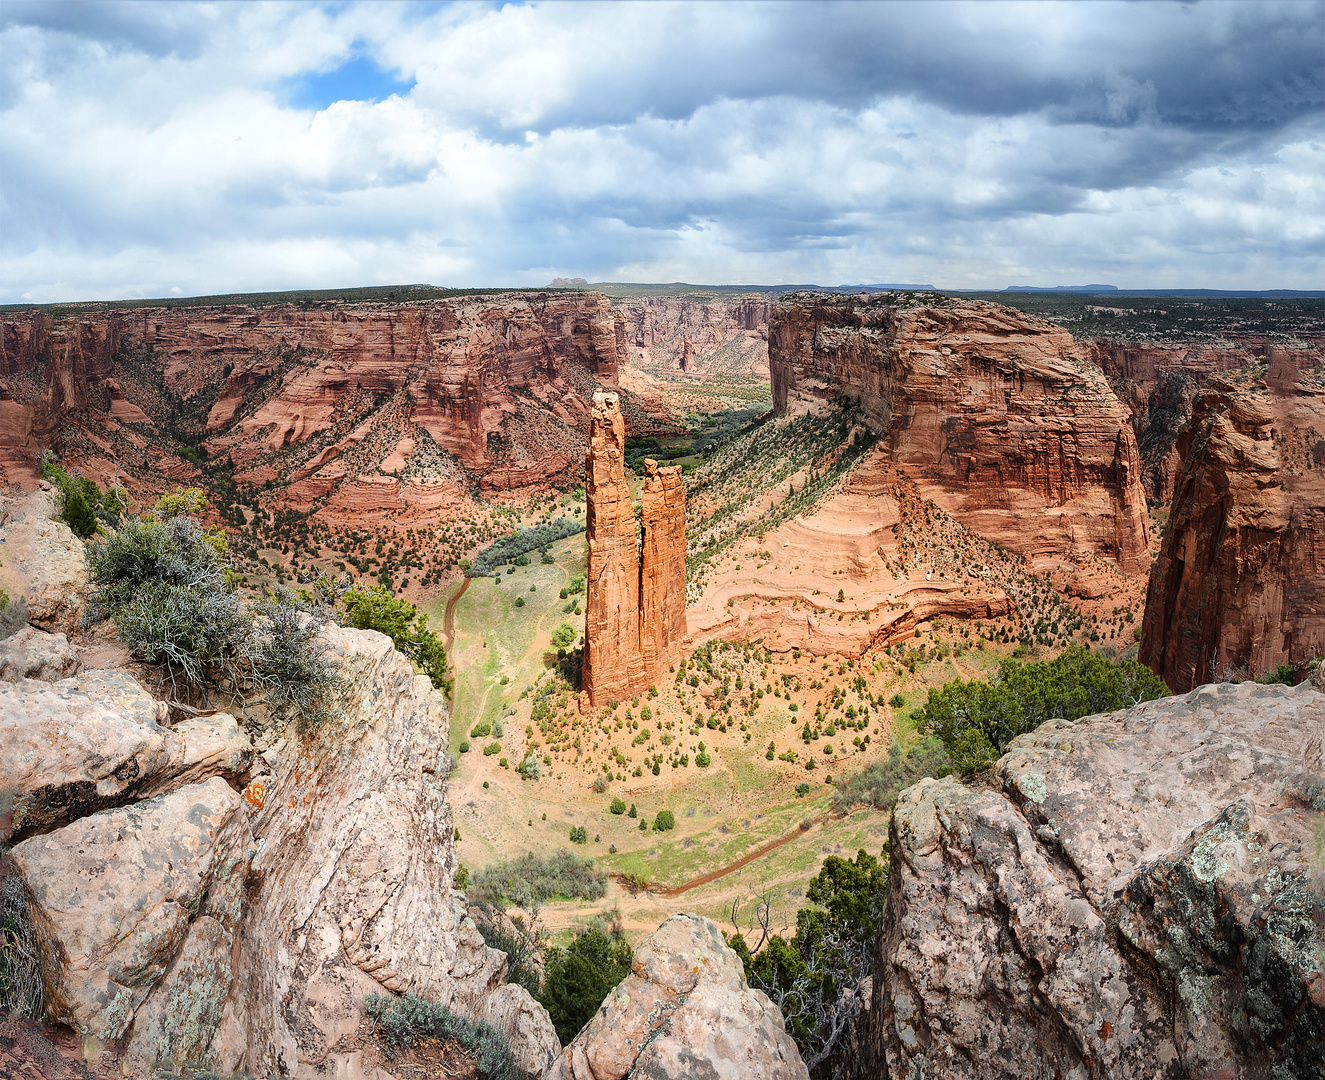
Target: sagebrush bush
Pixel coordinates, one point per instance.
(531, 879)
(20, 974)
(881, 783)
(403, 1021)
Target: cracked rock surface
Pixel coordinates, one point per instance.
(1143, 898)
(684, 1011)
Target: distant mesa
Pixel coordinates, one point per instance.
(1062, 288)
(566, 282)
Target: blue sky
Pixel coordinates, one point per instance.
(156, 149)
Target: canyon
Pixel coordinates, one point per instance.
(350, 409)
(635, 619)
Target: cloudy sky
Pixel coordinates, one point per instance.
(159, 148)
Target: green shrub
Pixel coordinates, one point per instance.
(531, 879)
(530, 768)
(632, 811)
(579, 977)
(579, 835)
(881, 783)
(897, 701)
(407, 627)
(480, 731)
(519, 601)
(563, 635)
(492, 748)
(1284, 674)
(513, 548)
(703, 760)
(464, 746)
(403, 1021)
(664, 821)
(1021, 697)
(618, 806)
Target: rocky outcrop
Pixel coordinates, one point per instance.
(136, 911)
(1239, 584)
(41, 560)
(1139, 897)
(994, 413)
(1159, 380)
(97, 740)
(634, 608)
(684, 1012)
(189, 926)
(494, 386)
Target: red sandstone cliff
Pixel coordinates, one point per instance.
(635, 607)
(994, 413)
(1160, 380)
(701, 334)
(360, 405)
(1240, 580)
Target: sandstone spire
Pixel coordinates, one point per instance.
(634, 611)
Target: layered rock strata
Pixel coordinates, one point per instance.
(994, 413)
(1140, 896)
(698, 335)
(1239, 585)
(1159, 381)
(495, 386)
(683, 1012)
(635, 607)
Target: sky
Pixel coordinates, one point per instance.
(156, 149)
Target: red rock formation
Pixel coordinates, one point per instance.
(613, 666)
(686, 332)
(1240, 580)
(994, 413)
(634, 609)
(662, 569)
(1158, 381)
(498, 382)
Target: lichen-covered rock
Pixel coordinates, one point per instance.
(512, 1010)
(1142, 899)
(71, 748)
(136, 910)
(684, 1013)
(34, 654)
(355, 876)
(41, 559)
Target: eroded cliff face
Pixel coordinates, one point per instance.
(994, 413)
(361, 405)
(1139, 896)
(635, 617)
(1240, 579)
(1159, 382)
(697, 335)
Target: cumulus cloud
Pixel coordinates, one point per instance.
(205, 148)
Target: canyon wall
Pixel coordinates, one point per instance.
(996, 415)
(1239, 585)
(635, 606)
(1159, 381)
(699, 335)
(409, 397)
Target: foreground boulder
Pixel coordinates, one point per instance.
(136, 910)
(1142, 899)
(73, 747)
(683, 1012)
(34, 654)
(41, 560)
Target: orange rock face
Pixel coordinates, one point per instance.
(634, 609)
(994, 413)
(327, 397)
(1239, 585)
(696, 334)
(1159, 381)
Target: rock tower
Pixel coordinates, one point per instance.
(635, 615)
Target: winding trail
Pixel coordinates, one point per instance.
(730, 868)
(448, 620)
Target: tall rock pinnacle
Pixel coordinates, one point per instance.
(635, 609)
